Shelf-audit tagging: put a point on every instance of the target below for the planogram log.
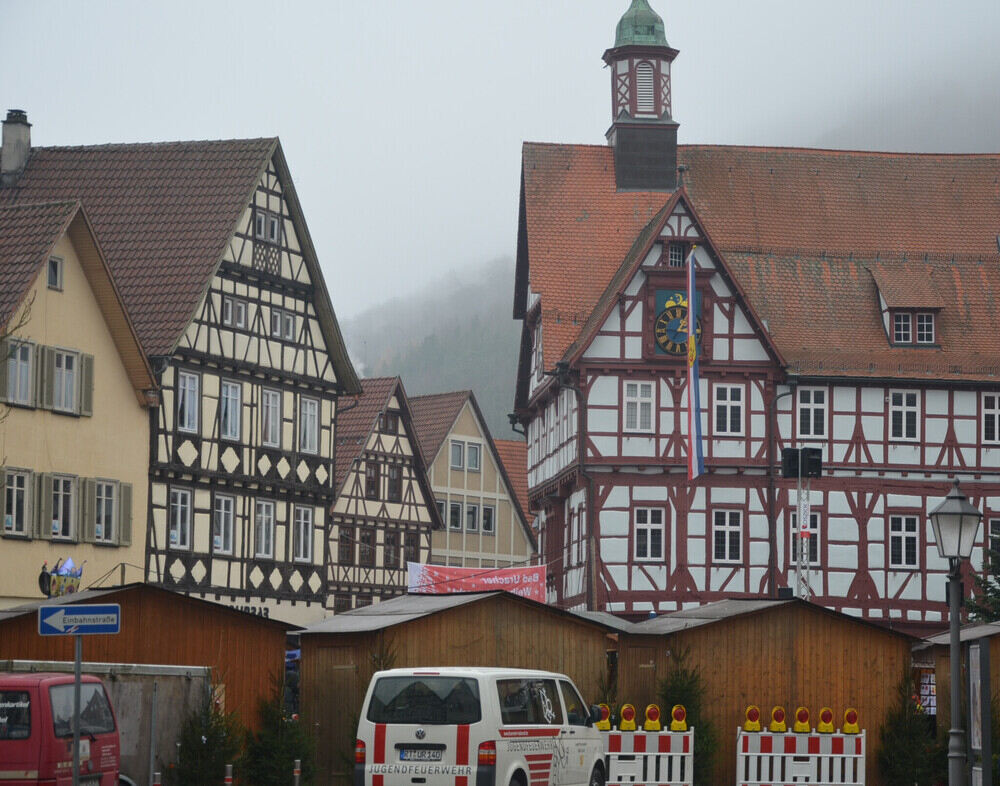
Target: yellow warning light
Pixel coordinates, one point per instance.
(652, 722)
(678, 718)
(777, 720)
(801, 724)
(628, 718)
(752, 722)
(604, 724)
(851, 721)
(825, 725)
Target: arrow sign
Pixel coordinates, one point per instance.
(79, 619)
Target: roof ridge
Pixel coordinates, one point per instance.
(162, 143)
(786, 148)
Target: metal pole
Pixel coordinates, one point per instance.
(798, 518)
(297, 771)
(229, 774)
(156, 779)
(76, 709)
(956, 734)
(152, 735)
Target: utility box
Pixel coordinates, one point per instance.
(809, 459)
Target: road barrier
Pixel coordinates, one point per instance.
(649, 758)
(804, 755)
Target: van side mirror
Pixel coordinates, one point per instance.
(595, 715)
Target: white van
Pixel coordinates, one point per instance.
(476, 727)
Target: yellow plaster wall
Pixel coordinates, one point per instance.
(112, 444)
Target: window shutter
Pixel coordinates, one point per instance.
(125, 514)
(43, 524)
(78, 512)
(46, 377)
(86, 385)
(5, 348)
(88, 510)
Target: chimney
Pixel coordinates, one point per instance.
(15, 146)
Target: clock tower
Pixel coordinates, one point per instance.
(643, 132)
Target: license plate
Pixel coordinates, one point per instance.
(420, 754)
(90, 782)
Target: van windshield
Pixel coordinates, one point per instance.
(15, 715)
(95, 712)
(428, 700)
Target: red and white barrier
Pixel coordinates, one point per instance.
(772, 759)
(649, 758)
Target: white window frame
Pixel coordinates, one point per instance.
(63, 507)
(17, 483)
(55, 264)
(223, 523)
(273, 229)
(263, 529)
(20, 364)
(308, 425)
(302, 535)
(991, 417)
(460, 463)
(64, 381)
(473, 449)
(270, 417)
(234, 312)
(179, 519)
(814, 538)
(492, 518)
(902, 327)
(288, 325)
(926, 332)
(644, 528)
(899, 530)
(639, 405)
(645, 88)
(729, 524)
(727, 404)
(105, 507)
(260, 224)
(807, 404)
(452, 507)
(230, 409)
(188, 401)
(675, 254)
(471, 517)
(904, 408)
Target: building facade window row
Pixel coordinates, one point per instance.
(53, 378)
(468, 516)
(357, 546)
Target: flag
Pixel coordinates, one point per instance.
(696, 460)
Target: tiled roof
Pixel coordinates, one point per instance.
(514, 456)
(27, 234)
(354, 425)
(433, 417)
(162, 212)
(794, 225)
(907, 284)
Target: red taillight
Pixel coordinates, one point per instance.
(679, 713)
(852, 717)
(802, 715)
(359, 752)
(653, 713)
(488, 754)
(628, 713)
(826, 716)
(778, 715)
(753, 715)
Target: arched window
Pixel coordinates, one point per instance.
(645, 101)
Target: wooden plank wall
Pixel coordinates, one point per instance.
(246, 653)
(791, 655)
(942, 678)
(498, 631)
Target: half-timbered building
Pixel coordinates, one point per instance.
(384, 512)
(845, 300)
(209, 247)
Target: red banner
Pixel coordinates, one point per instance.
(528, 582)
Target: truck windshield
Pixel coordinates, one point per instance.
(15, 715)
(95, 712)
(428, 700)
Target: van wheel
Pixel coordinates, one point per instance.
(517, 780)
(597, 776)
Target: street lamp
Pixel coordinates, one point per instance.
(956, 525)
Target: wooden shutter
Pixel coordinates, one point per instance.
(86, 395)
(77, 510)
(46, 377)
(88, 510)
(5, 348)
(125, 514)
(43, 523)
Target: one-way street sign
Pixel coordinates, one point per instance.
(79, 619)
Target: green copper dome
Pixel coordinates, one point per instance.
(641, 26)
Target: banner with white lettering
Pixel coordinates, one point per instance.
(528, 582)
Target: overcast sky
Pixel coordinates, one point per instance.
(402, 121)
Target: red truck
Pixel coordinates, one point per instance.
(36, 731)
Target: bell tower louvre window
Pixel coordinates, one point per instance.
(645, 101)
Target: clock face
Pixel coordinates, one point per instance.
(671, 329)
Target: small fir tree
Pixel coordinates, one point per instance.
(685, 685)
(907, 753)
(270, 752)
(210, 739)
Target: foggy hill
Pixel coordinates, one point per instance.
(456, 334)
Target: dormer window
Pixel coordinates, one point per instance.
(925, 328)
(913, 329)
(902, 329)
